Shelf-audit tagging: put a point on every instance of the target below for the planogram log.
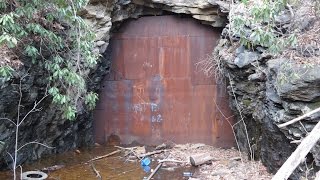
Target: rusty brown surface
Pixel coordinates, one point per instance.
(155, 92)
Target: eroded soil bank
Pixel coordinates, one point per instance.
(227, 164)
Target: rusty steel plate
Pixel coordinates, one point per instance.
(155, 93)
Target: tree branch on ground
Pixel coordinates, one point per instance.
(299, 118)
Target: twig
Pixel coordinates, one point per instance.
(135, 154)
(20, 171)
(232, 127)
(131, 149)
(126, 148)
(299, 118)
(95, 171)
(151, 153)
(296, 141)
(171, 160)
(34, 142)
(242, 118)
(104, 156)
(10, 156)
(34, 109)
(8, 120)
(155, 171)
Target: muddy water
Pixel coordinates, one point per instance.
(115, 167)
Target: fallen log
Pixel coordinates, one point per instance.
(299, 154)
(199, 159)
(104, 156)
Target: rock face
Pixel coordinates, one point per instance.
(46, 126)
(43, 126)
(268, 92)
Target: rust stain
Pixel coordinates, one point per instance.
(155, 94)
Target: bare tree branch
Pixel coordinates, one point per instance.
(299, 118)
(10, 156)
(95, 171)
(18, 123)
(34, 109)
(8, 120)
(34, 142)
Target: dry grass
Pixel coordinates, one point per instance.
(212, 66)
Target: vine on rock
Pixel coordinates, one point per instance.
(54, 37)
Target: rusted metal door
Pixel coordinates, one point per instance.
(155, 93)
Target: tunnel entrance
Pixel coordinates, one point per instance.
(154, 92)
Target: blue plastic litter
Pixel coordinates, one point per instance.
(187, 174)
(145, 161)
(146, 169)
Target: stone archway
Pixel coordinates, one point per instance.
(154, 94)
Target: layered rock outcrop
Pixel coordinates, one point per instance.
(44, 125)
(267, 91)
(271, 89)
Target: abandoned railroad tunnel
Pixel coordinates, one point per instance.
(155, 93)
(154, 87)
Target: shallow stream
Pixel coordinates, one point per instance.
(113, 167)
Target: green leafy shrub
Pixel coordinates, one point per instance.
(6, 72)
(258, 25)
(53, 36)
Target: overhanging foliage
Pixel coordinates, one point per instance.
(54, 37)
